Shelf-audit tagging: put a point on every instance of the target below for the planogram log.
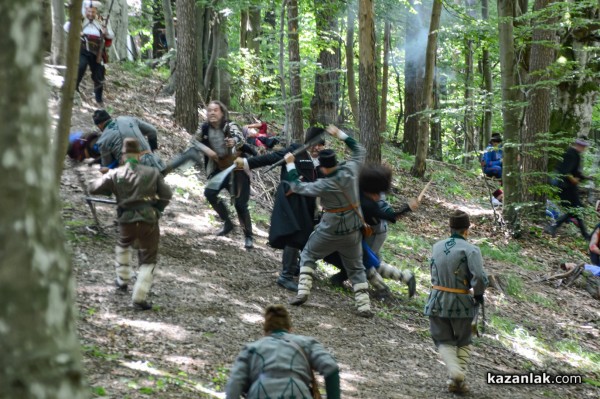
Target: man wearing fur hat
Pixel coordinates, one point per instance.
(115, 130)
(307, 165)
(142, 196)
(456, 271)
(340, 227)
(95, 38)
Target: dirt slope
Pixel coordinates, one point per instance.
(209, 294)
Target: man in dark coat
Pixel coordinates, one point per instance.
(307, 164)
(570, 175)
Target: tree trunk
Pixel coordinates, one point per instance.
(420, 165)
(68, 89)
(537, 113)
(295, 122)
(250, 29)
(170, 34)
(324, 104)
(435, 146)
(510, 113)
(286, 106)
(186, 95)
(385, 75)
(38, 336)
(469, 142)
(223, 86)
(119, 21)
(413, 78)
(58, 34)
(486, 132)
(367, 75)
(202, 30)
(352, 97)
(47, 26)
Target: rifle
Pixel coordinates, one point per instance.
(103, 43)
(309, 144)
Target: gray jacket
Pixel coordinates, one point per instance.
(337, 191)
(274, 368)
(457, 264)
(117, 129)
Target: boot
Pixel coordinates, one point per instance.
(455, 373)
(122, 267)
(361, 299)
(288, 284)
(382, 290)
(304, 286)
(223, 213)
(246, 224)
(463, 353)
(405, 276)
(142, 287)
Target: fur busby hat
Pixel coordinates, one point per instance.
(131, 146)
(313, 132)
(327, 158)
(459, 220)
(375, 179)
(277, 317)
(100, 116)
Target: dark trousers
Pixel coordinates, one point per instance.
(241, 191)
(87, 58)
(454, 332)
(289, 262)
(570, 198)
(144, 237)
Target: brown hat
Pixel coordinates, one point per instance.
(459, 220)
(131, 146)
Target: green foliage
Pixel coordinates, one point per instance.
(98, 391)
(137, 68)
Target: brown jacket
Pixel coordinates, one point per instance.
(141, 192)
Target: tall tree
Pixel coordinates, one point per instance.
(537, 113)
(324, 103)
(420, 165)
(250, 29)
(295, 123)
(222, 81)
(385, 75)
(170, 34)
(488, 88)
(38, 341)
(119, 21)
(510, 111)
(367, 75)
(47, 21)
(352, 97)
(414, 62)
(469, 116)
(186, 95)
(58, 34)
(68, 89)
(282, 85)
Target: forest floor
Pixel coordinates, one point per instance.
(209, 292)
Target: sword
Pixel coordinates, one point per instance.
(309, 144)
(90, 201)
(215, 182)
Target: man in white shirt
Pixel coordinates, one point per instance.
(95, 38)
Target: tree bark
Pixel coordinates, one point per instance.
(367, 74)
(223, 84)
(170, 34)
(413, 78)
(324, 103)
(510, 113)
(39, 348)
(47, 26)
(435, 145)
(537, 113)
(68, 89)
(286, 106)
(58, 34)
(352, 97)
(119, 21)
(186, 95)
(420, 165)
(385, 75)
(296, 122)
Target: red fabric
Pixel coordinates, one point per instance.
(107, 43)
(263, 128)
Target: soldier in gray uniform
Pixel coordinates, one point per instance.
(339, 228)
(115, 130)
(280, 364)
(456, 271)
(142, 196)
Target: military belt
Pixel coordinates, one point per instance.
(448, 289)
(344, 209)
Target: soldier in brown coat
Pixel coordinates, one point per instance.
(141, 195)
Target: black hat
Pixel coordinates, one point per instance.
(100, 116)
(313, 132)
(131, 146)
(327, 158)
(375, 178)
(459, 220)
(496, 138)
